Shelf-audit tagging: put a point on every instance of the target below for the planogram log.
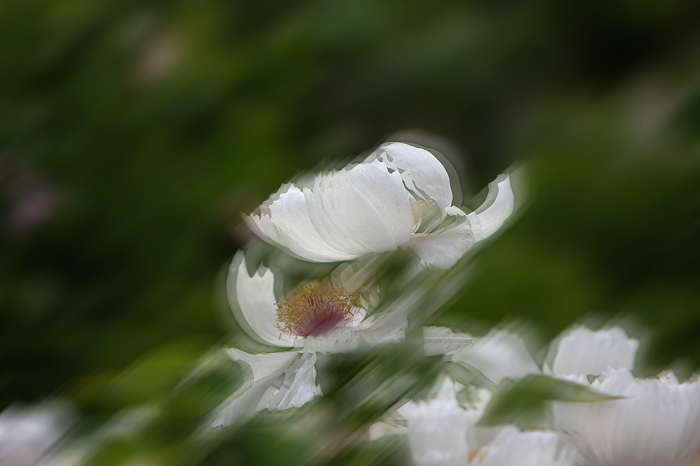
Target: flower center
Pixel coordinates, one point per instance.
(313, 309)
(426, 214)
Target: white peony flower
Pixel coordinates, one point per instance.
(315, 318)
(441, 432)
(399, 196)
(656, 422)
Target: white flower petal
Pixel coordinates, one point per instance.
(443, 248)
(253, 302)
(421, 172)
(390, 327)
(441, 431)
(326, 211)
(285, 222)
(444, 394)
(361, 210)
(499, 355)
(260, 371)
(340, 340)
(437, 433)
(387, 195)
(382, 429)
(499, 204)
(358, 316)
(299, 385)
(655, 423)
(442, 340)
(511, 447)
(356, 276)
(583, 351)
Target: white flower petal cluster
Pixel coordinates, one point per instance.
(503, 354)
(400, 196)
(253, 301)
(652, 422)
(655, 421)
(584, 351)
(443, 432)
(438, 431)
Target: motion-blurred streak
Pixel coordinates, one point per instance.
(28, 432)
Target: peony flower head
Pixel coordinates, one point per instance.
(317, 317)
(655, 422)
(314, 318)
(443, 432)
(400, 196)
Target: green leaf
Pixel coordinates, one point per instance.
(524, 402)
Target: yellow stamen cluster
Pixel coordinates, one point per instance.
(313, 309)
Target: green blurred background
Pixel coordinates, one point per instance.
(133, 133)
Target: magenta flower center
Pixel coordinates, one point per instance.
(313, 310)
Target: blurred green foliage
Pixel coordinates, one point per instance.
(132, 134)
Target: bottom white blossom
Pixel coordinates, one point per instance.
(655, 422)
(443, 432)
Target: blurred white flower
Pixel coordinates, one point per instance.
(503, 354)
(656, 422)
(583, 352)
(316, 318)
(443, 432)
(399, 196)
(437, 431)
(26, 433)
(511, 447)
(498, 355)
